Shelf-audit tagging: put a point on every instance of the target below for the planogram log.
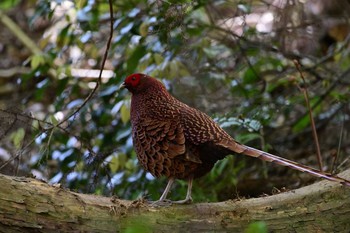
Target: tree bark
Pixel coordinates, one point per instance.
(30, 205)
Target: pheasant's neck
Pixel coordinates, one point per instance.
(153, 104)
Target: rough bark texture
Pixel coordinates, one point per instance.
(29, 205)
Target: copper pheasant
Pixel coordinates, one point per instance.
(174, 140)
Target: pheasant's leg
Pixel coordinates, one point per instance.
(162, 200)
(167, 189)
(188, 198)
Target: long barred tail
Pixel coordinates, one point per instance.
(243, 149)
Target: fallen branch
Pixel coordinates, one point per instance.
(28, 204)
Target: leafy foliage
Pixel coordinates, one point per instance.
(207, 54)
(256, 227)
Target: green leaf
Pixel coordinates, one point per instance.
(36, 61)
(143, 30)
(63, 36)
(182, 69)
(17, 137)
(81, 3)
(158, 58)
(250, 76)
(114, 164)
(122, 160)
(135, 57)
(247, 137)
(129, 165)
(7, 4)
(53, 120)
(301, 124)
(125, 113)
(80, 166)
(257, 227)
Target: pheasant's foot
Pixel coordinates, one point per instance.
(188, 200)
(160, 203)
(167, 202)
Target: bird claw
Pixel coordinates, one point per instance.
(167, 202)
(161, 203)
(188, 200)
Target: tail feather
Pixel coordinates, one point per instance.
(243, 149)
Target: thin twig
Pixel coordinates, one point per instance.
(264, 148)
(344, 162)
(334, 84)
(43, 130)
(98, 82)
(314, 132)
(23, 149)
(335, 160)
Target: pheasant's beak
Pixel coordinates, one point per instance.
(122, 86)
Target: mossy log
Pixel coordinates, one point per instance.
(30, 205)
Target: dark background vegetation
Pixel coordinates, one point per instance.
(235, 60)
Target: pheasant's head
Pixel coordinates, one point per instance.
(138, 83)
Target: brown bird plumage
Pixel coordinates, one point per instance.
(174, 140)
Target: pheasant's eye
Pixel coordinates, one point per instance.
(133, 80)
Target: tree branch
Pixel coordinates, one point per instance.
(17, 31)
(28, 205)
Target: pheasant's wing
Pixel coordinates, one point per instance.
(157, 143)
(199, 128)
